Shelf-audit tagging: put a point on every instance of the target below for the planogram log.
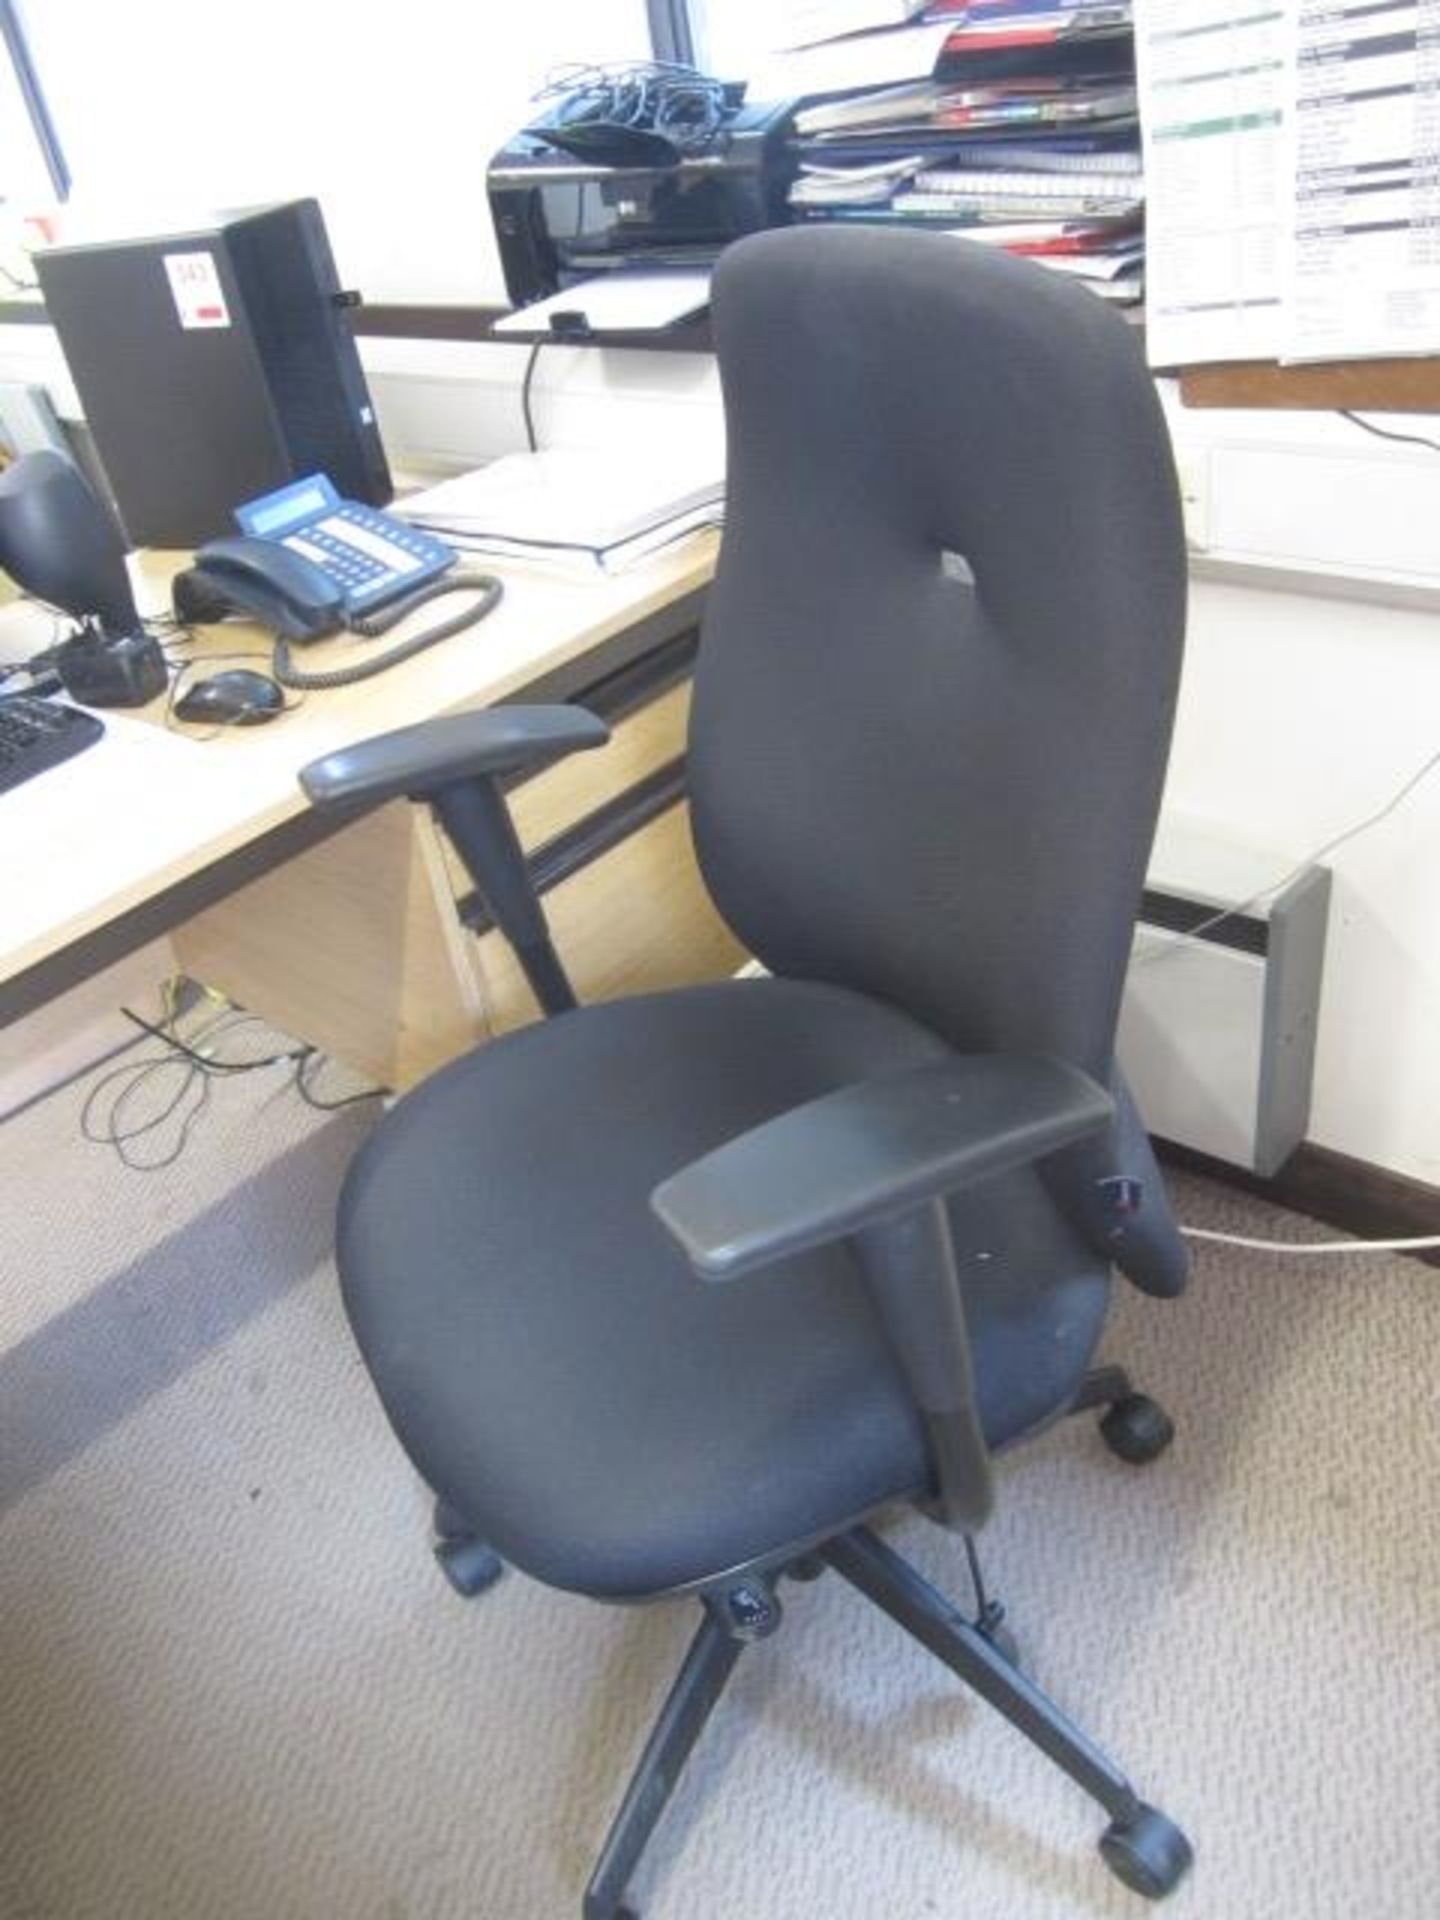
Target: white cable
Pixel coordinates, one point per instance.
(1314, 1246)
(1169, 941)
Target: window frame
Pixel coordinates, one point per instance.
(672, 33)
(42, 124)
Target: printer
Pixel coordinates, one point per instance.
(572, 198)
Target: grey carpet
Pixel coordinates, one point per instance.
(232, 1685)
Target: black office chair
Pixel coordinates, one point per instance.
(678, 1294)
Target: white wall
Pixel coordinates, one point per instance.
(1313, 491)
(166, 108)
(1303, 713)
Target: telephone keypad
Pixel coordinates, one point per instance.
(371, 556)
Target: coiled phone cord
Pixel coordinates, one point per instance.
(371, 626)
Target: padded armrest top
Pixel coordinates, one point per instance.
(871, 1151)
(415, 761)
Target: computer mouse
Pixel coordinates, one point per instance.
(236, 698)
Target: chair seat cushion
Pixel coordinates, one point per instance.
(608, 1421)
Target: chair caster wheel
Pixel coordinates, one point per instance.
(1147, 1852)
(468, 1564)
(1136, 1429)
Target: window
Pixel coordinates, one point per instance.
(732, 37)
(169, 109)
(32, 168)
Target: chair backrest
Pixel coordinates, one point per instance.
(939, 664)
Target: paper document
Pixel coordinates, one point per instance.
(628, 300)
(1363, 237)
(1215, 84)
(574, 507)
(853, 186)
(1292, 163)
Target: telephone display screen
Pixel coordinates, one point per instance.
(291, 507)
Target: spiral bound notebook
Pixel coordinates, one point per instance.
(1082, 154)
(976, 184)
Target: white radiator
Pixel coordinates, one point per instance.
(1217, 1031)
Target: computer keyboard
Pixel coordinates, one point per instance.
(36, 733)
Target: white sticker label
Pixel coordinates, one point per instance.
(195, 283)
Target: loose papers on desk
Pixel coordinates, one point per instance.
(582, 512)
(1293, 160)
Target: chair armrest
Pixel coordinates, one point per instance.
(454, 764)
(418, 761)
(871, 1152)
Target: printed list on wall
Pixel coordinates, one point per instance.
(1292, 155)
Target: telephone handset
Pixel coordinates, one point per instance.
(308, 564)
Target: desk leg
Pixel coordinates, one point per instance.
(353, 946)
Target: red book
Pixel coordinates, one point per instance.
(992, 39)
(1062, 243)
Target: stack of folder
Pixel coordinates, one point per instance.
(579, 511)
(1015, 124)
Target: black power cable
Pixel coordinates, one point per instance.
(534, 355)
(115, 1112)
(1388, 433)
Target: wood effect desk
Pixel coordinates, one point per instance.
(347, 935)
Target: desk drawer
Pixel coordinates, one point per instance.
(356, 945)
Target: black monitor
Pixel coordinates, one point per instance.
(214, 365)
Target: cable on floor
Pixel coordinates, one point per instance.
(305, 1069)
(143, 1100)
(1314, 1246)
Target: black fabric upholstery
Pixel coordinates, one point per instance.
(606, 1419)
(937, 793)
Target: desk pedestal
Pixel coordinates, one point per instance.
(359, 946)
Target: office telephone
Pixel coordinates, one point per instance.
(308, 564)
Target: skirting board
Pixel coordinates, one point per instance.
(1350, 1195)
